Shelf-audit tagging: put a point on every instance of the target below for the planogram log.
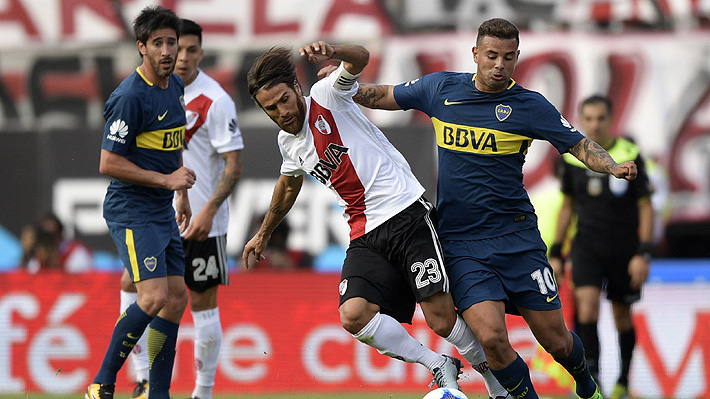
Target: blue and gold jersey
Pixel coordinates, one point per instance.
(482, 141)
(145, 124)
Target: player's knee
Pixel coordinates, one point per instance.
(558, 345)
(177, 302)
(493, 339)
(439, 313)
(441, 322)
(152, 302)
(354, 316)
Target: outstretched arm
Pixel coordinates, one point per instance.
(285, 194)
(597, 159)
(376, 97)
(354, 57)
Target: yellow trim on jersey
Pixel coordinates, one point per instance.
(131, 246)
(623, 150)
(512, 81)
(478, 140)
(163, 139)
(148, 82)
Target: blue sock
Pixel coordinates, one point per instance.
(515, 378)
(162, 338)
(576, 365)
(129, 327)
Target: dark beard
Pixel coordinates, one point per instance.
(160, 72)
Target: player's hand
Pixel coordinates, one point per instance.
(626, 170)
(317, 51)
(326, 70)
(558, 267)
(256, 246)
(182, 178)
(183, 212)
(638, 270)
(200, 227)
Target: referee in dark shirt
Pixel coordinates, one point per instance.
(613, 244)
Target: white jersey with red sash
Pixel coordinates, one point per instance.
(212, 130)
(342, 149)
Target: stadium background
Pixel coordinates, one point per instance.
(60, 60)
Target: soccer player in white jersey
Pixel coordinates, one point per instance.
(394, 257)
(212, 148)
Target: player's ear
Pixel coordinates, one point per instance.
(297, 88)
(141, 47)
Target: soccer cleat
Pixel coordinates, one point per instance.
(100, 391)
(447, 375)
(501, 397)
(141, 390)
(619, 392)
(597, 394)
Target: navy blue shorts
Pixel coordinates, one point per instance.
(149, 250)
(511, 268)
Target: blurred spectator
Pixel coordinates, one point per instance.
(45, 248)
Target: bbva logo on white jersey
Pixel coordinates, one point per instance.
(322, 125)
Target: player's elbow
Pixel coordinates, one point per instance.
(103, 169)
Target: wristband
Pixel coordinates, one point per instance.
(556, 251)
(345, 80)
(646, 249)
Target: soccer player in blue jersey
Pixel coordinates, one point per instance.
(484, 124)
(142, 153)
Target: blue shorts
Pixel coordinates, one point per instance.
(149, 250)
(511, 268)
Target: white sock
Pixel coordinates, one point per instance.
(387, 335)
(468, 346)
(208, 340)
(139, 355)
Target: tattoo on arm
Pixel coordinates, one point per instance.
(369, 95)
(594, 156)
(226, 182)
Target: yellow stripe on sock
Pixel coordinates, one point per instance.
(155, 339)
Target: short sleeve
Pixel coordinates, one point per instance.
(418, 93)
(124, 121)
(642, 184)
(566, 184)
(289, 167)
(223, 127)
(550, 125)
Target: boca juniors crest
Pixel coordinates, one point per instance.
(503, 112)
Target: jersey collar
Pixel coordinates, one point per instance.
(510, 86)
